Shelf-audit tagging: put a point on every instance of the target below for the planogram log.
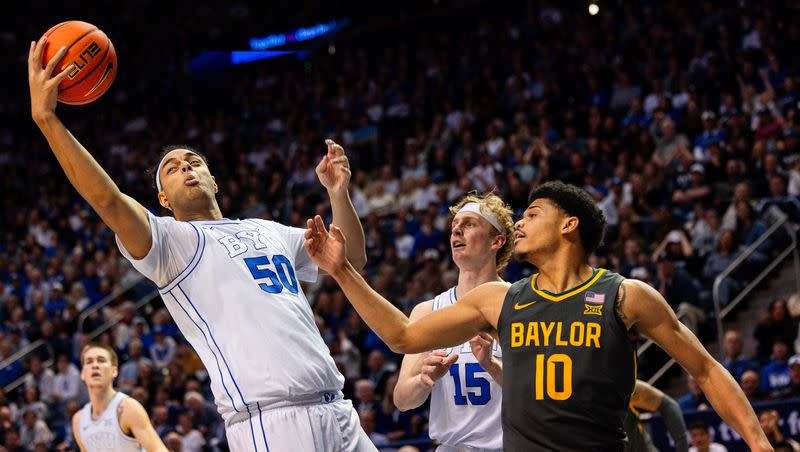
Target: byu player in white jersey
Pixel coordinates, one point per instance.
(111, 421)
(231, 286)
(464, 382)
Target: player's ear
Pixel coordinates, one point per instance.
(498, 241)
(162, 199)
(570, 225)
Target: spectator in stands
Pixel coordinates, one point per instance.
(778, 197)
(66, 435)
(792, 390)
(694, 399)
(775, 323)
(770, 421)
(775, 374)
(32, 403)
(6, 423)
(671, 145)
(66, 382)
(34, 431)
(162, 352)
(741, 192)
(160, 417)
(378, 371)
(680, 290)
(749, 230)
(204, 414)
(734, 362)
(717, 262)
(676, 245)
(174, 442)
(751, 385)
(129, 370)
(40, 378)
(191, 439)
(701, 439)
(13, 441)
(368, 423)
(365, 396)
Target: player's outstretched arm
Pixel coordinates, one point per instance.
(446, 327)
(133, 418)
(419, 371)
(121, 213)
(652, 399)
(334, 174)
(642, 306)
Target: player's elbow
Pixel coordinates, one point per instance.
(402, 405)
(404, 344)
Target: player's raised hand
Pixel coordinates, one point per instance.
(326, 249)
(334, 168)
(482, 348)
(44, 87)
(435, 365)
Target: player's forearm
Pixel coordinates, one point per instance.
(731, 404)
(345, 216)
(410, 392)
(85, 174)
(385, 319)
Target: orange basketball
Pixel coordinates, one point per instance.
(93, 55)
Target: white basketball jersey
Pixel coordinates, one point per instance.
(104, 434)
(232, 287)
(465, 403)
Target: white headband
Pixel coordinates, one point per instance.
(475, 208)
(158, 168)
(158, 171)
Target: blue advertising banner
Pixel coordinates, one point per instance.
(788, 410)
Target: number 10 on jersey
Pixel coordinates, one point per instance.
(548, 372)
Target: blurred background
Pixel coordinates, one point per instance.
(680, 118)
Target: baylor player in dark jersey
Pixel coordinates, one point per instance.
(569, 366)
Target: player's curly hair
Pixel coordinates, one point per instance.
(151, 172)
(575, 202)
(504, 215)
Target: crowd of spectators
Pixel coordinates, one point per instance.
(682, 126)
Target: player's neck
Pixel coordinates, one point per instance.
(472, 277)
(210, 213)
(100, 398)
(559, 275)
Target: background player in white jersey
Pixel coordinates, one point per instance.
(111, 420)
(231, 286)
(465, 381)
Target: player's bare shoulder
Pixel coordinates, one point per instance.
(633, 297)
(421, 310)
(488, 298)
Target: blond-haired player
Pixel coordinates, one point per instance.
(111, 420)
(464, 382)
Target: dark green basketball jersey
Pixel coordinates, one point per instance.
(569, 367)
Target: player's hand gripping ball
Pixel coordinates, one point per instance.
(93, 56)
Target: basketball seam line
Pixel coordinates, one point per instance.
(108, 48)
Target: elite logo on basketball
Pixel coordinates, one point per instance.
(594, 303)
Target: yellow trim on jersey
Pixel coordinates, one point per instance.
(569, 293)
